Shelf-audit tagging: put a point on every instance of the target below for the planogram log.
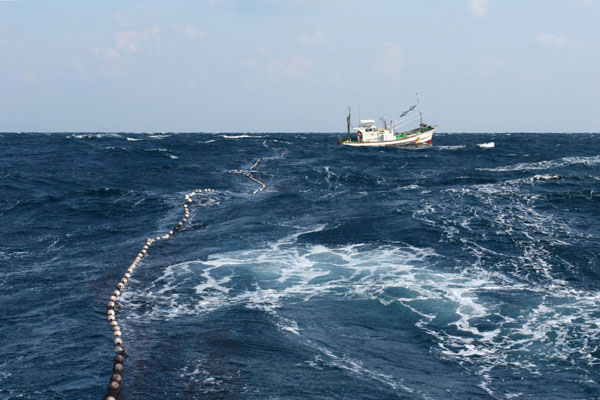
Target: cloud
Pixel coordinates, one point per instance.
(108, 54)
(190, 31)
(250, 62)
(393, 57)
(132, 40)
(277, 67)
(296, 67)
(548, 39)
(489, 66)
(80, 68)
(132, 20)
(314, 40)
(478, 8)
(129, 41)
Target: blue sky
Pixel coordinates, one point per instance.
(295, 65)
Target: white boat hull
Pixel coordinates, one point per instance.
(422, 138)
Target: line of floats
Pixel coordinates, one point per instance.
(116, 379)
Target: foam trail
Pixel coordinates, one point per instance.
(452, 307)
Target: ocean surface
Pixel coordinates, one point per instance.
(452, 272)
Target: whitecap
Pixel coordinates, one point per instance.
(458, 147)
(410, 187)
(240, 136)
(94, 136)
(561, 162)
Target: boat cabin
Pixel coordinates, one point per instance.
(368, 125)
(369, 132)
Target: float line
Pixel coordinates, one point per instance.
(115, 384)
(249, 175)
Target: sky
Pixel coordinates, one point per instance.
(297, 65)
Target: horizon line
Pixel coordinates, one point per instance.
(283, 132)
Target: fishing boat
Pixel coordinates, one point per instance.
(368, 135)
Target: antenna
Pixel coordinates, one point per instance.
(419, 105)
(358, 101)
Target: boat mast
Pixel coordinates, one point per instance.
(419, 105)
(384, 121)
(348, 121)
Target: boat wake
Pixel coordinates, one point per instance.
(471, 313)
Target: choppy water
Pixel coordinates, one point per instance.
(450, 272)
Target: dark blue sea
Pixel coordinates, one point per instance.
(452, 272)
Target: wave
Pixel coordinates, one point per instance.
(457, 147)
(562, 162)
(410, 187)
(477, 317)
(240, 136)
(94, 136)
(497, 289)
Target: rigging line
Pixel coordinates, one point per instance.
(410, 121)
(412, 117)
(404, 122)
